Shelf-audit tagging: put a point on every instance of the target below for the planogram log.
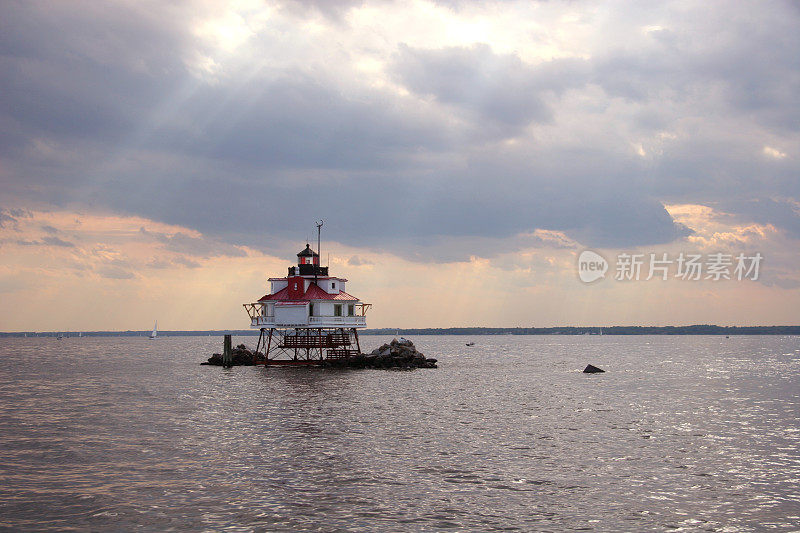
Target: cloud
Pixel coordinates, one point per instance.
(358, 261)
(586, 126)
(115, 272)
(46, 241)
(781, 212)
(298, 121)
(182, 243)
(55, 241)
(171, 263)
(773, 152)
(158, 264)
(10, 217)
(5, 218)
(331, 10)
(496, 89)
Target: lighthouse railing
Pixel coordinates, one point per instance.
(255, 310)
(344, 320)
(321, 321)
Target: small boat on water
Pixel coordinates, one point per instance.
(154, 334)
(470, 344)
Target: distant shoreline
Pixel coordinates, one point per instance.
(557, 330)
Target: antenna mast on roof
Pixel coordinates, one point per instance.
(319, 253)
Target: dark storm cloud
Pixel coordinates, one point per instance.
(101, 110)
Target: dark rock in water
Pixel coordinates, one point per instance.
(591, 369)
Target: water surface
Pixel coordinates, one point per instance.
(692, 433)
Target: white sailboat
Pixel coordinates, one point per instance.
(154, 335)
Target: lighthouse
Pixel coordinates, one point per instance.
(307, 316)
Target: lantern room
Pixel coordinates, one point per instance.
(308, 264)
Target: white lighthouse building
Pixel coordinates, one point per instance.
(307, 316)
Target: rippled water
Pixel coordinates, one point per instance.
(696, 433)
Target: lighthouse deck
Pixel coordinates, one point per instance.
(311, 321)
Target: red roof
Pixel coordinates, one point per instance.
(313, 293)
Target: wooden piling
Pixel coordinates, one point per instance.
(227, 352)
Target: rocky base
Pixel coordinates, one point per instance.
(397, 354)
(241, 356)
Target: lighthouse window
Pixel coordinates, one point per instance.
(337, 309)
(351, 309)
(310, 309)
(333, 285)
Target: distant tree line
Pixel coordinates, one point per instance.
(130, 333)
(699, 329)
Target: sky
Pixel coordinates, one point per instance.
(160, 161)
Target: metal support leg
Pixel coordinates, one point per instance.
(269, 345)
(358, 346)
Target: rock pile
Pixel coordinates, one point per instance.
(241, 356)
(397, 354)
